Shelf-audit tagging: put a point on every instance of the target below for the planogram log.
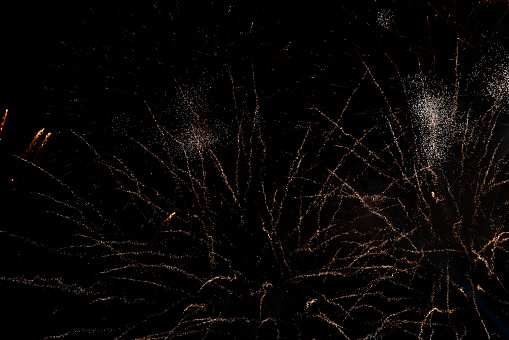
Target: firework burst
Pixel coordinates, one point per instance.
(196, 200)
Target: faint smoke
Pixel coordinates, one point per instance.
(435, 113)
(385, 18)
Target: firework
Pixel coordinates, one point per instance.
(220, 189)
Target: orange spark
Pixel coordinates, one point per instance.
(44, 141)
(164, 221)
(42, 144)
(3, 122)
(34, 140)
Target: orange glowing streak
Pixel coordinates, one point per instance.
(164, 221)
(43, 143)
(45, 140)
(168, 218)
(3, 122)
(34, 140)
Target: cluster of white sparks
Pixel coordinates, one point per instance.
(385, 18)
(437, 122)
(498, 86)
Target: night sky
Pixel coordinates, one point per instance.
(246, 170)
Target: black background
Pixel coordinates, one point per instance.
(33, 50)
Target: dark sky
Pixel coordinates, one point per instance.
(328, 93)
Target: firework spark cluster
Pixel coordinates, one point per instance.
(437, 120)
(227, 195)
